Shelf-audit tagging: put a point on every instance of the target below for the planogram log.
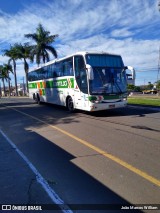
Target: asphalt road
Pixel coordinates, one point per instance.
(109, 157)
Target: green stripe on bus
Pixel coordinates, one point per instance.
(49, 84)
(62, 83)
(32, 85)
(105, 97)
(110, 97)
(41, 84)
(43, 92)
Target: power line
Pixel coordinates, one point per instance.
(141, 71)
(147, 69)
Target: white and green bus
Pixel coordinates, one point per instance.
(89, 81)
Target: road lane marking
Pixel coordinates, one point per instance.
(50, 192)
(100, 151)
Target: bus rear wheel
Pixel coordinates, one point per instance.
(70, 105)
(37, 99)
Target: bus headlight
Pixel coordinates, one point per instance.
(95, 99)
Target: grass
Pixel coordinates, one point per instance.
(145, 100)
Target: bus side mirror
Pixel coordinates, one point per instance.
(124, 68)
(90, 72)
(131, 75)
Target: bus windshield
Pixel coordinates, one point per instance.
(108, 74)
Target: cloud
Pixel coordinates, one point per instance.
(125, 27)
(135, 53)
(120, 33)
(74, 19)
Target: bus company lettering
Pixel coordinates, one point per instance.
(61, 83)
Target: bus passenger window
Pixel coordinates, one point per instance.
(54, 71)
(45, 73)
(68, 67)
(36, 75)
(50, 71)
(59, 69)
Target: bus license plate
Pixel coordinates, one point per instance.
(112, 106)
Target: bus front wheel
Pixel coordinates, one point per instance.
(70, 105)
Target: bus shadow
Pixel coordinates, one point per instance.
(52, 114)
(75, 186)
(122, 112)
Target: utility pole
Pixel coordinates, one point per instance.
(158, 73)
(0, 90)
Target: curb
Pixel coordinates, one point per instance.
(143, 107)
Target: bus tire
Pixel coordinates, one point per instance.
(70, 105)
(37, 99)
(34, 97)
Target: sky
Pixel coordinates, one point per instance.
(126, 27)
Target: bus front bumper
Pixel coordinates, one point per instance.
(106, 106)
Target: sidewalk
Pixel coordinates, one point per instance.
(18, 183)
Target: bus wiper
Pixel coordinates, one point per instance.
(120, 91)
(115, 82)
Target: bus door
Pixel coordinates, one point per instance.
(81, 87)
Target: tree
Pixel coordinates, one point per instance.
(12, 54)
(137, 89)
(130, 87)
(3, 77)
(7, 68)
(150, 85)
(158, 84)
(24, 53)
(43, 41)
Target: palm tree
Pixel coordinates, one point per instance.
(7, 68)
(43, 41)
(24, 53)
(3, 77)
(1, 67)
(12, 54)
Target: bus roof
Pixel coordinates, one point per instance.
(77, 53)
